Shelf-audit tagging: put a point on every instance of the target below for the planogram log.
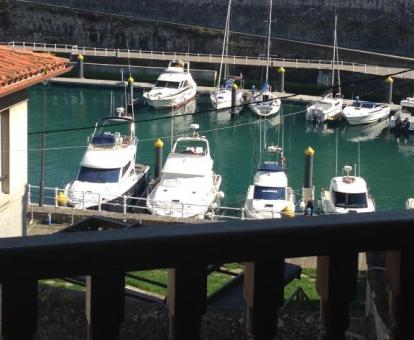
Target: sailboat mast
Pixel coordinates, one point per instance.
(334, 53)
(268, 40)
(225, 40)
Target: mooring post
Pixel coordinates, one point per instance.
(388, 89)
(308, 191)
(158, 145)
(281, 70)
(233, 99)
(80, 66)
(264, 295)
(130, 95)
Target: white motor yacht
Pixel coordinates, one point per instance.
(347, 194)
(107, 169)
(222, 97)
(188, 187)
(364, 112)
(329, 108)
(270, 194)
(404, 118)
(174, 87)
(266, 103)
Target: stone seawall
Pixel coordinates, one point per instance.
(381, 25)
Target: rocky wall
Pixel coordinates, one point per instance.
(381, 25)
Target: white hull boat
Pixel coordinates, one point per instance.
(265, 103)
(363, 112)
(347, 194)
(270, 194)
(107, 169)
(188, 187)
(174, 87)
(222, 98)
(403, 120)
(327, 109)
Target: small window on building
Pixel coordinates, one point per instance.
(4, 152)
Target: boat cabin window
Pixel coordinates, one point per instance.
(93, 175)
(345, 200)
(408, 109)
(323, 106)
(367, 105)
(167, 84)
(176, 64)
(105, 139)
(185, 84)
(269, 193)
(191, 147)
(125, 169)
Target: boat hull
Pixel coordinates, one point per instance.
(172, 101)
(366, 117)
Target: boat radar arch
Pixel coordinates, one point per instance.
(347, 169)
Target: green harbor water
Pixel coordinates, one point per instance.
(386, 160)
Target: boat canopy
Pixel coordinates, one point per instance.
(271, 167)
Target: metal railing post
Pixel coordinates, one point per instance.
(83, 200)
(99, 202)
(124, 210)
(56, 197)
(29, 194)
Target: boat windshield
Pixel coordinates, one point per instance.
(269, 193)
(191, 147)
(93, 175)
(367, 105)
(167, 84)
(345, 200)
(323, 106)
(408, 109)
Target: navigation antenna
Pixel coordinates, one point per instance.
(336, 153)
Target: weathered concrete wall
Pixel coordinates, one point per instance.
(361, 22)
(42, 23)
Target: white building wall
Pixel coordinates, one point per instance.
(13, 204)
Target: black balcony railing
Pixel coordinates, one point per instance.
(104, 257)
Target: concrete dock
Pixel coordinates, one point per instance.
(200, 89)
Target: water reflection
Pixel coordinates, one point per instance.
(364, 133)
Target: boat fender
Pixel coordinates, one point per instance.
(62, 199)
(220, 194)
(288, 211)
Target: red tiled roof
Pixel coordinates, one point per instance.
(20, 69)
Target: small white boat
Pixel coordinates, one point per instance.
(174, 87)
(188, 187)
(266, 103)
(329, 108)
(222, 97)
(404, 118)
(364, 112)
(347, 194)
(107, 169)
(270, 194)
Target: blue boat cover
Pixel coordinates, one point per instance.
(105, 139)
(271, 167)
